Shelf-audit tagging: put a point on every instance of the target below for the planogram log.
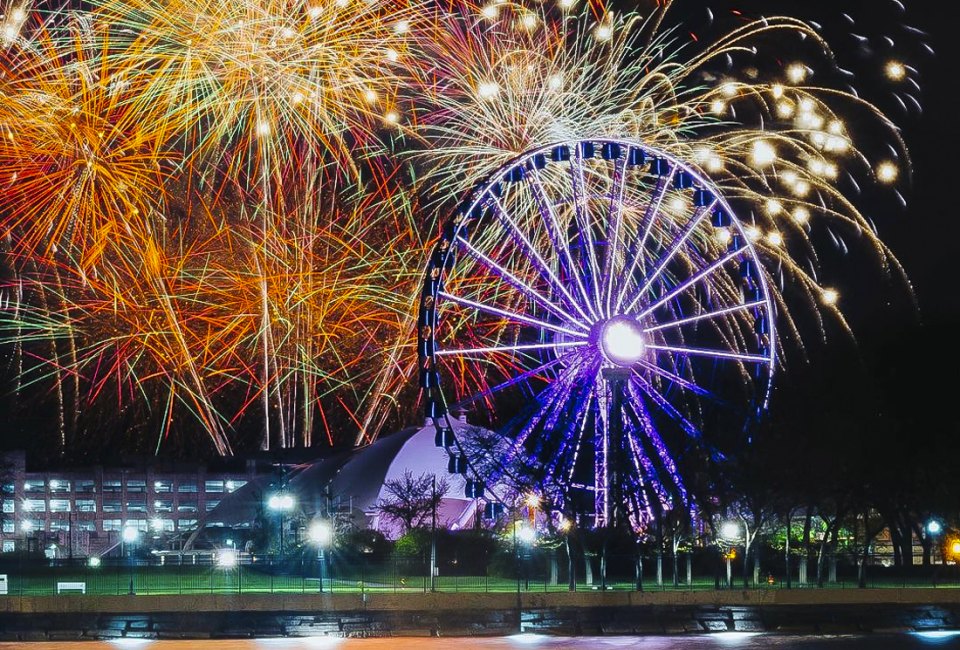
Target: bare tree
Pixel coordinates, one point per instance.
(410, 500)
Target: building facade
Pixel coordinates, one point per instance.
(82, 512)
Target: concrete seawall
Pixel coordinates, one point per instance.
(468, 600)
(472, 614)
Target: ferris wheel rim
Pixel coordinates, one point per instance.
(483, 190)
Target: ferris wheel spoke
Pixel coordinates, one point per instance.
(686, 285)
(692, 387)
(706, 316)
(518, 235)
(614, 219)
(649, 219)
(520, 285)
(640, 414)
(584, 227)
(675, 247)
(664, 405)
(558, 240)
(510, 348)
(579, 421)
(644, 467)
(715, 354)
(520, 318)
(557, 392)
(513, 381)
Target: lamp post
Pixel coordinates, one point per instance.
(321, 535)
(527, 536)
(281, 503)
(934, 528)
(730, 533)
(128, 538)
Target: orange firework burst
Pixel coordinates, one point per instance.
(77, 164)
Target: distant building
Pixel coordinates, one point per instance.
(350, 484)
(82, 512)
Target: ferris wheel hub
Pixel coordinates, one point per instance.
(622, 341)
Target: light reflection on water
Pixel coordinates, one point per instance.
(740, 640)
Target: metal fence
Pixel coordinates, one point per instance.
(536, 571)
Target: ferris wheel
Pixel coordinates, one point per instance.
(602, 304)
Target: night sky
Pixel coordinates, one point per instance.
(905, 355)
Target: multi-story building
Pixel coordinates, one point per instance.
(82, 512)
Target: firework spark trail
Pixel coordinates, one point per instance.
(220, 208)
(506, 79)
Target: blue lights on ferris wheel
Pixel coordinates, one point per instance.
(593, 262)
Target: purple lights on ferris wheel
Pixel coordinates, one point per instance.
(589, 287)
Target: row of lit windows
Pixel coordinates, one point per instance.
(117, 485)
(90, 505)
(28, 526)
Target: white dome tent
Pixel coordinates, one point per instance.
(356, 480)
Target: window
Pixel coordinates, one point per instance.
(187, 487)
(8, 488)
(187, 506)
(59, 524)
(28, 526)
(139, 524)
(111, 506)
(87, 526)
(111, 525)
(34, 505)
(86, 505)
(8, 526)
(85, 487)
(137, 506)
(9, 546)
(213, 486)
(212, 504)
(162, 486)
(59, 485)
(234, 485)
(9, 506)
(136, 486)
(34, 486)
(112, 486)
(59, 505)
(186, 524)
(164, 525)
(163, 505)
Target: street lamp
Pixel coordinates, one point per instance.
(526, 536)
(282, 503)
(730, 532)
(128, 538)
(321, 536)
(227, 558)
(934, 528)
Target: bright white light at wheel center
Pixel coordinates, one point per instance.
(622, 341)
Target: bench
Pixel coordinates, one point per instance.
(72, 586)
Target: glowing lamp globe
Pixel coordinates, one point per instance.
(321, 533)
(227, 559)
(130, 535)
(730, 530)
(934, 527)
(280, 502)
(622, 341)
(526, 535)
